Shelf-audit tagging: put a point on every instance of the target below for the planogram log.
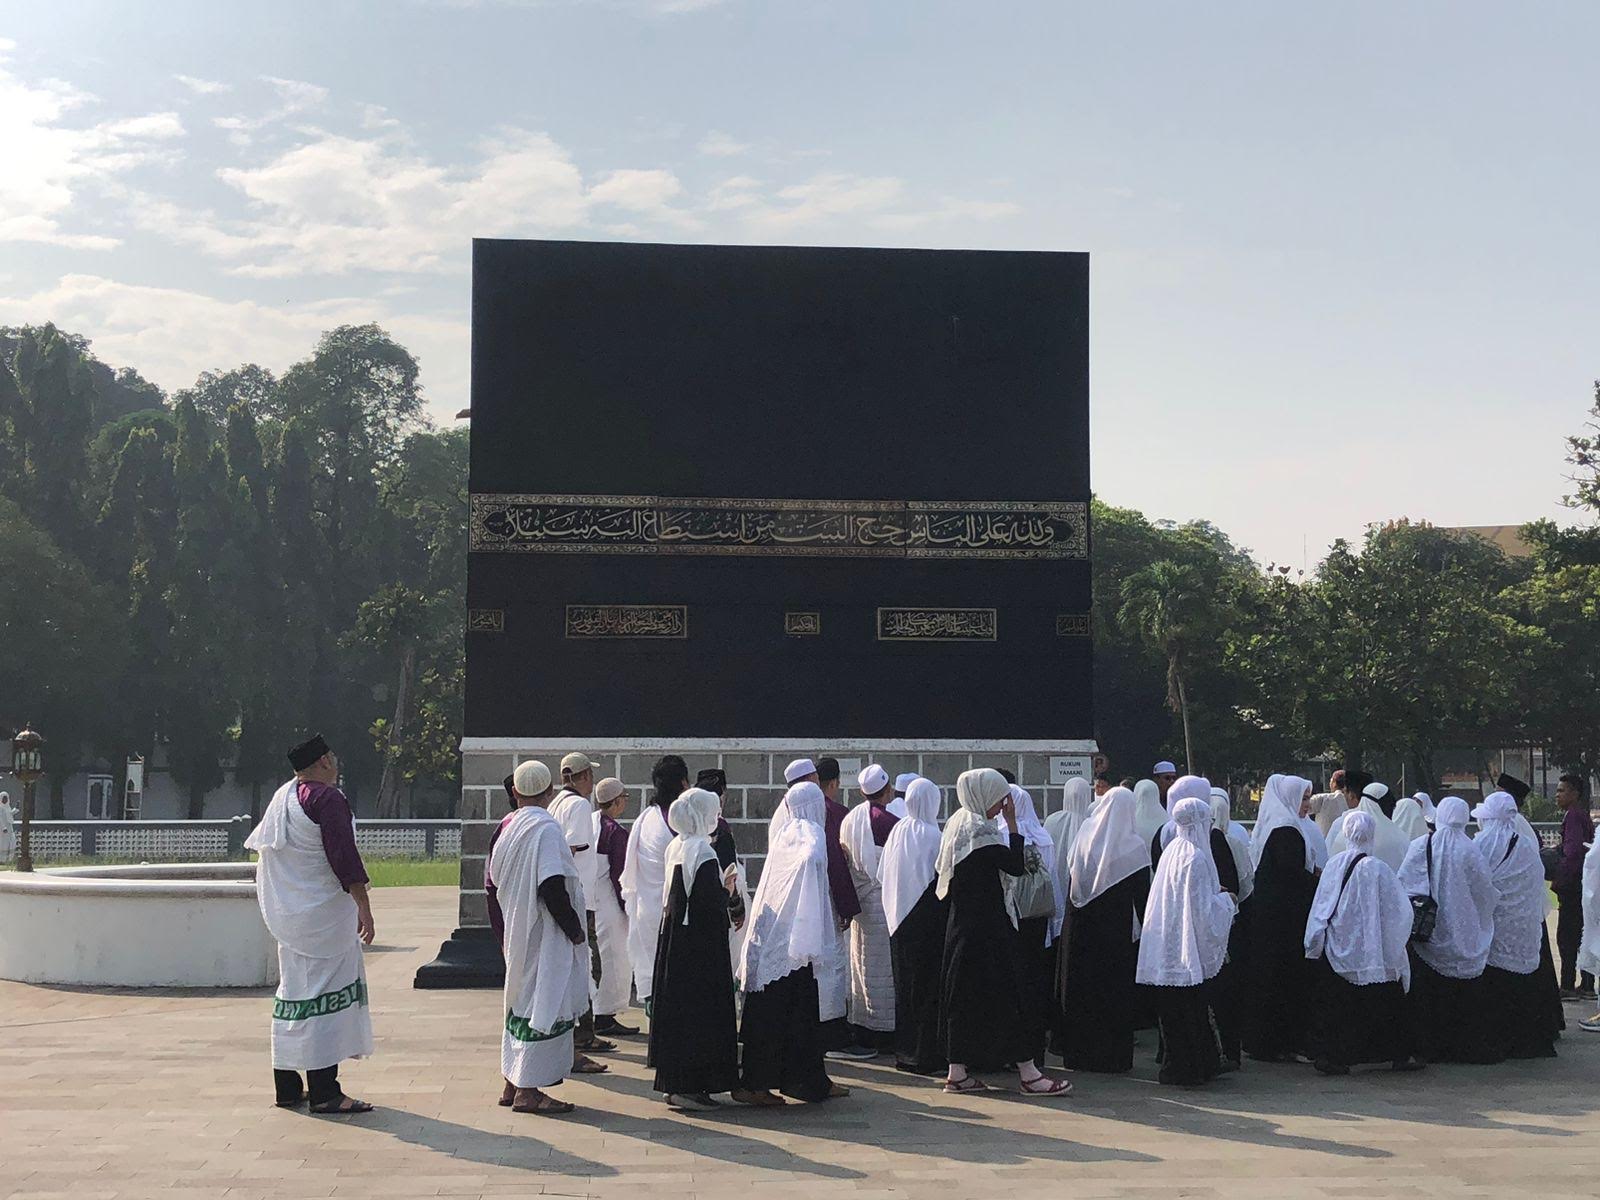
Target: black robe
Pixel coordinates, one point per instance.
(1277, 976)
(981, 1022)
(1189, 1054)
(783, 1039)
(916, 951)
(1037, 963)
(1452, 1019)
(1354, 1023)
(693, 1028)
(1098, 996)
(1518, 1014)
(1225, 989)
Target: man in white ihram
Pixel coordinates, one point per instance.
(313, 892)
(8, 833)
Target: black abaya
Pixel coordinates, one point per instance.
(1515, 1005)
(981, 1022)
(693, 1028)
(1188, 1041)
(1451, 1019)
(783, 1039)
(1277, 975)
(1352, 1023)
(1099, 1000)
(1227, 1003)
(916, 949)
(1037, 962)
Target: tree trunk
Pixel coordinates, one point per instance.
(197, 802)
(255, 801)
(389, 785)
(58, 796)
(1183, 708)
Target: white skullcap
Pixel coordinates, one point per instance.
(872, 779)
(799, 769)
(608, 790)
(1163, 768)
(1377, 791)
(531, 778)
(903, 782)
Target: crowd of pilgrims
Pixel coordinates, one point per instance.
(1342, 929)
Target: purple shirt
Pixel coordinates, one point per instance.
(330, 812)
(882, 822)
(613, 843)
(1576, 828)
(846, 904)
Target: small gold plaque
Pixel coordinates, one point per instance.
(802, 624)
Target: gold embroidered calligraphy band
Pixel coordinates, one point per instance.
(982, 529)
(627, 621)
(936, 625)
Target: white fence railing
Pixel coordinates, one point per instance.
(219, 841)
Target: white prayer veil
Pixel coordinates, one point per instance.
(1464, 889)
(969, 827)
(1108, 849)
(1187, 787)
(1389, 842)
(1425, 802)
(1518, 875)
(790, 910)
(1409, 819)
(694, 815)
(1063, 826)
(1188, 916)
(1280, 809)
(1238, 842)
(1363, 925)
(1148, 815)
(911, 853)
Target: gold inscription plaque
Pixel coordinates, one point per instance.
(627, 621)
(486, 620)
(802, 624)
(936, 625)
(1073, 625)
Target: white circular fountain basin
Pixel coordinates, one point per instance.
(164, 925)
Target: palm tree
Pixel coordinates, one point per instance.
(1161, 602)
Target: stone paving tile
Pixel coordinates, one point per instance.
(122, 1094)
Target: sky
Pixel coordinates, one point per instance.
(1345, 263)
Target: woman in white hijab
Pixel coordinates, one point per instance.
(786, 947)
(907, 871)
(1183, 945)
(981, 1015)
(1108, 882)
(1356, 937)
(1063, 826)
(693, 1029)
(1447, 992)
(1409, 819)
(1275, 970)
(1514, 986)
(1148, 815)
(1389, 841)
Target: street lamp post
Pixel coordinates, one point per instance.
(27, 764)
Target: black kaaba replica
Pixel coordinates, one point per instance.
(745, 504)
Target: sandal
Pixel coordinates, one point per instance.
(967, 1083)
(1053, 1087)
(599, 1045)
(837, 1091)
(758, 1099)
(508, 1095)
(532, 1100)
(587, 1066)
(344, 1106)
(295, 1103)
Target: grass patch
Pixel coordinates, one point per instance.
(414, 872)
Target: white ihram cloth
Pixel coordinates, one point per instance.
(320, 1016)
(1589, 948)
(1363, 930)
(871, 1000)
(910, 856)
(644, 875)
(1389, 841)
(547, 974)
(614, 991)
(1036, 835)
(1518, 874)
(1280, 809)
(576, 816)
(8, 833)
(1409, 818)
(1188, 915)
(791, 912)
(1148, 815)
(1462, 885)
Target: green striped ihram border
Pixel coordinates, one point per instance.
(353, 996)
(523, 1031)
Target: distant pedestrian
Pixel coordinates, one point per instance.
(8, 833)
(1577, 829)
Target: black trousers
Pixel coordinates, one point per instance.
(1569, 936)
(321, 1086)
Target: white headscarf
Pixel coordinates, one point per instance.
(1316, 844)
(1389, 841)
(694, 815)
(1036, 834)
(855, 835)
(1364, 932)
(1148, 815)
(969, 827)
(1589, 948)
(1187, 918)
(791, 908)
(1409, 819)
(1108, 848)
(1518, 875)
(1187, 787)
(1063, 826)
(910, 855)
(1425, 802)
(1280, 809)
(1464, 889)
(1222, 816)
(1238, 842)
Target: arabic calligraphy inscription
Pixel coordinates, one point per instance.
(627, 621)
(936, 625)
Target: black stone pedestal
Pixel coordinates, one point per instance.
(469, 959)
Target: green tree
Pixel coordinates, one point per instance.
(48, 403)
(1163, 603)
(216, 394)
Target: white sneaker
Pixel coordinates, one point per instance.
(851, 1054)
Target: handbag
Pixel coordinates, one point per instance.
(1425, 909)
(1034, 891)
(1551, 858)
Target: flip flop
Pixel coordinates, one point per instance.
(598, 1045)
(344, 1106)
(289, 1103)
(508, 1095)
(759, 1099)
(1056, 1087)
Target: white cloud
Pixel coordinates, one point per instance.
(295, 96)
(49, 166)
(648, 193)
(717, 144)
(171, 335)
(203, 87)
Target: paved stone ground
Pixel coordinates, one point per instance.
(125, 1094)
